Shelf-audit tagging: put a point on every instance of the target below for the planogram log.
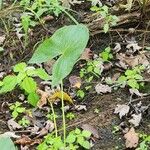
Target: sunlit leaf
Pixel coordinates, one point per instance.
(68, 42)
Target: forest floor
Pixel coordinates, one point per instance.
(101, 109)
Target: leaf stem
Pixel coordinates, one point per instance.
(54, 119)
(63, 114)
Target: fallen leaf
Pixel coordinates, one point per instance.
(101, 88)
(13, 125)
(68, 3)
(117, 47)
(43, 99)
(2, 39)
(134, 46)
(87, 54)
(133, 61)
(132, 138)
(49, 127)
(91, 129)
(136, 92)
(136, 119)
(122, 110)
(58, 95)
(80, 107)
(25, 140)
(75, 81)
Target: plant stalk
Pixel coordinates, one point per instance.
(63, 114)
(54, 119)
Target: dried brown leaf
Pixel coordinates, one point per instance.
(132, 138)
(91, 129)
(13, 125)
(136, 119)
(122, 110)
(75, 81)
(101, 88)
(87, 54)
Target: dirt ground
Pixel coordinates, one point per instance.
(105, 120)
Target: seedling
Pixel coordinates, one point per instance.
(132, 78)
(110, 20)
(70, 116)
(24, 122)
(145, 142)
(17, 109)
(51, 116)
(81, 94)
(106, 55)
(74, 140)
(23, 77)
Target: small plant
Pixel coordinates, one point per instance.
(132, 78)
(23, 77)
(17, 109)
(110, 20)
(145, 142)
(51, 116)
(106, 55)
(24, 122)
(74, 141)
(81, 94)
(70, 116)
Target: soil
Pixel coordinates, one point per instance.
(105, 120)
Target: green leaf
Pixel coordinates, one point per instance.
(1, 49)
(106, 27)
(1, 83)
(71, 138)
(86, 145)
(20, 67)
(6, 144)
(29, 85)
(68, 42)
(86, 133)
(129, 72)
(33, 98)
(42, 74)
(20, 77)
(77, 131)
(133, 83)
(9, 83)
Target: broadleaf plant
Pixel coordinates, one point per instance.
(23, 77)
(68, 43)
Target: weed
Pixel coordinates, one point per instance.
(81, 94)
(132, 78)
(24, 122)
(16, 109)
(70, 116)
(109, 20)
(23, 77)
(74, 139)
(145, 142)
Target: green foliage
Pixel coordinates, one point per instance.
(132, 77)
(66, 44)
(24, 122)
(110, 20)
(23, 77)
(145, 142)
(16, 109)
(81, 94)
(70, 116)
(106, 55)
(74, 140)
(51, 116)
(6, 143)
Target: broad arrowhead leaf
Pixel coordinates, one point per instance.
(6, 144)
(67, 42)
